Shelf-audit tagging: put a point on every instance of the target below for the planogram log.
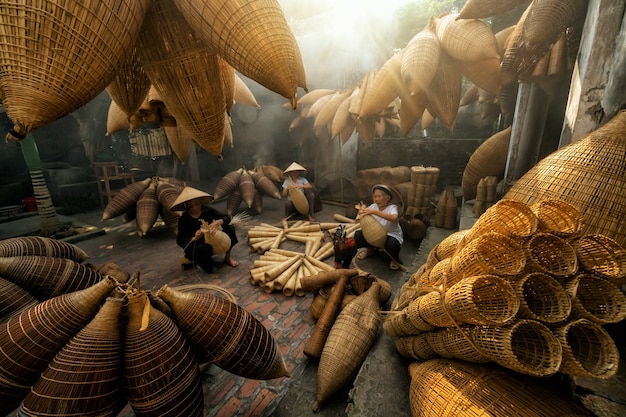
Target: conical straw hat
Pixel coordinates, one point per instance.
(188, 194)
(294, 167)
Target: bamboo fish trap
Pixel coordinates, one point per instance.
(226, 334)
(266, 51)
(41, 246)
(74, 74)
(130, 86)
(14, 299)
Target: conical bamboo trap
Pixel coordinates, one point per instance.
(248, 186)
(130, 86)
(49, 76)
(277, 65)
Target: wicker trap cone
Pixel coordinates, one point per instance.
(383, 88)
(130, 86)
(452, 388)
(265, 185)
(415, 347)
(266, 51)
(572, 172)
(444, 92)
(558, 217)
(455, 343)
(28, 342)
(542, 298)
(464, 39)
(167, 192)
(46, 277)
(419, 61)
(14, 299)
(482, 300)
(147, 209)
(125, 199)
(246, 187)
(85, 376)
(116, 119)
(596, 299)
(525, 346)
(226, 334)
(348, 343)
(588, 350)
(154, 345)
(180, 141)
(551, 254)
(373, 231)
(34, 97)
(601, 255)
(41, 246)
(186, 74)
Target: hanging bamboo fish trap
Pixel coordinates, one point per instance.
(48, 76)
(420, 60)
(266, 51)
(243, 95)
(591, 166)
(41, 246)
(383, 88)
(551, 254)
(464, 39)
(186, 74)
(478, 9)
(116, 119)
(226, 334)
(154, 345)
(444, 91)
(46, 277)
(28, 342)
(453, 388)
(180, 141)
(85, 376)
(130, 86)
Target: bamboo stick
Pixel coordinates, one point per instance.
(290, 286)
(262, 233)
(305, 229)
(342, 219)
(286, 252)
(320, 264)
(314, 247)
(278, 240)
(324, 278)
(325, 251)
(278, 269)
(279, 281)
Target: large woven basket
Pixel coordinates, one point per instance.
(85, 376)
(254, 37)
(601, 255)
(558, 217)
(116, 119)
(596, 299)
(588, 175)
(507, 217)
(48, 76)
(466, 39)
(14, 299)
(186, 74)
(43, 246)
(525, 346)
(588, 350)
(419, 61)
(444, 92)
(489, 159)
(130, 86)
(125, 199)
(551, 254)
(383, 88)
(542, 298)
(452, 388)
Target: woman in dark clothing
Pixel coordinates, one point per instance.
(190, 237)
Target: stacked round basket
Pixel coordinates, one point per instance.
(523, 288)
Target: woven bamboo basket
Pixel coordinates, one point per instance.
(588, 350)
(228, 80)
(448, 246)
(180, 141)
(469, 96)
(551, 254)
(453, 388)
(28, 342)
(130, 86)
(419, 61)
(34, 97)
(548, 19)
(525, 346)
(257, 201)
(246, 188)
(373, 231)
(596, 299)
(85, 376)
(507, 217)
(586, 174)
(116, 119)
(349, 341)
(219, 241)
(558, 217)
(491, 253)
(478, 9)
(415, 347)
(343, 119)
(432, 258)
(542, 298)
(431, 308)
(453, 343)
(298, 199)
(185, 72)
(125, 199)
(489, 159)
(147, 209)
(233, 202)
(466, 40)
(226, 334)
(601, 255)
(265, 185)
(444, 92)
(482, 300)
(328, 111)
(412, 311)
(266, 51)
(154, 345)
(484, 73)
(383, 88)
(243, 95)
(113, 270)
(14, 299)
(502, 38)
(46, 277)
(227, 184)
(167, 193)
(440, 274)
(41, 246)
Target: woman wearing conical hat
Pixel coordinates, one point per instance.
(195, 206)
(295, 178)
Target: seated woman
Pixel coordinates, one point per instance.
(295, 177)
(387, 215)
(190, 237)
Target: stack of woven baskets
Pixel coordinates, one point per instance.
(523, 288)
(422, 193)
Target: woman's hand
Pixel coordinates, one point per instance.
(198, 235)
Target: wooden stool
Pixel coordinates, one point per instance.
(186, 263)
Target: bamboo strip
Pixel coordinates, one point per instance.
(299, 291)
(255, 246)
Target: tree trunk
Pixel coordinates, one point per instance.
(50, 222)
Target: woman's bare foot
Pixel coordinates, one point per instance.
(311, 219)
(230, 261)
